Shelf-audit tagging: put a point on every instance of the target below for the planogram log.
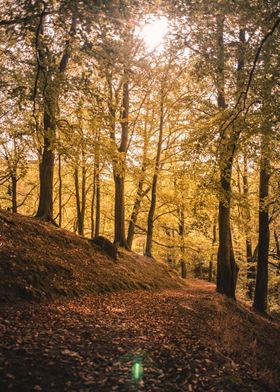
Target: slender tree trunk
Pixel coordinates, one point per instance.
(214, 240)
(134, 214)
(119, 173)
(92, 206)
(95, 204)
(80, 199)
(78, 202)
(97, 209)
(119, 159)
(260, 299)
(249, 252)
(277, 244)
(14, 191)
(97, 178)
(119, 211)
(83, 199)
(150, 221)
(59, 191)
(139, 194)
(181, 229)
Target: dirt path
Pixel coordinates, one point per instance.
(126, 341)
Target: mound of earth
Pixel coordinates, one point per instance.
(40, 262)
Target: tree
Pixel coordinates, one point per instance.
(50, 74)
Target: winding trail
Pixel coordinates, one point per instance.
(125, 341)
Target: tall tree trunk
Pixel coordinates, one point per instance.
(139, 194)
(14, 191)
(150, 221)
(83, 199)
(277, 244)
(97, 208)
(249, 252)
(119, 173)
(119, 158)
(51, 92)
(214, 240)
(261, 289)
(95, 203)
(46, 166)
(119, 211)
(92, 206)
(80, 199)
(181, 229)
(59, 191)
(134, 214)
(227, 269)
(260, 299)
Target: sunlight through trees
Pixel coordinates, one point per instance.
(155, 124)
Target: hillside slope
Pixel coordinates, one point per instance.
(39, 261)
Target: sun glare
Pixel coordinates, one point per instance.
(154, 31)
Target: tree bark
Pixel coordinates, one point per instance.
(139, 194)
(46, 166)
(214, 240)
(14, 191)
(119, 173)
(227, 269)
(181, 229)
(51, 91)
(150, 221)
(260, 299)
(95, 201)
(277, 244)
(92, 206)
(183, 269)
(134, 214)
(80, 199)
(97, 209)
(249, 252)
(59, 191)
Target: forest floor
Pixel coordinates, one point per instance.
(189, 339)
(73, 319)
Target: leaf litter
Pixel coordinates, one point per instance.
(128, 341)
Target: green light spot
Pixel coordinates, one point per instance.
(137, 371)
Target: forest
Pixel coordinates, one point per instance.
(155, 124)
(139, 150)
(151, 128)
